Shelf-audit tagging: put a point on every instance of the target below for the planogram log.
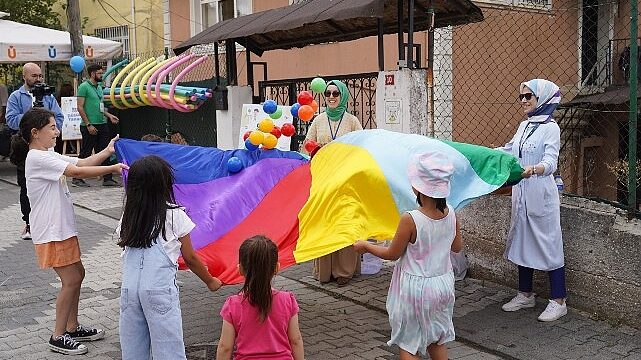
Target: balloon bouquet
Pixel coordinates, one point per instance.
(266, 136)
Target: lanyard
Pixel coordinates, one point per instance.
(523, 140)
(334, 133)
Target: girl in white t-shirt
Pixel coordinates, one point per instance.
(154, 232)
(53, 227)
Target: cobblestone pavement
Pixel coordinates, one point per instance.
(337, 323)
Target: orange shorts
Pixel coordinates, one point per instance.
(58, 253)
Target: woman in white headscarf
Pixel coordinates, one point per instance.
(534, 240)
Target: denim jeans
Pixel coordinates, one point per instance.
(150, 316)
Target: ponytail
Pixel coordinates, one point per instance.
(441, 205)
(19, 150)
(36, 118)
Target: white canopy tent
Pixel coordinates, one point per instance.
(21, 43)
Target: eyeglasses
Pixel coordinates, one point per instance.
(332, 93)
(526, 96)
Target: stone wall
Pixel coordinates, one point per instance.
(602, 254)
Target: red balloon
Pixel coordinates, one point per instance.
(276, 132)
(311, 145)
(306, 113)
(305, 98)
(246, 135)
(288, 129)
(314, 106)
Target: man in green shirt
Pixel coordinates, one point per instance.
(94, 128)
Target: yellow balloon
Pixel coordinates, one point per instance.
(270, 141)
(266, 125)
(256, 137)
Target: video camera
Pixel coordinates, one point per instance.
(39, 91)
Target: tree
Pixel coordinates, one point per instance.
(32, 12)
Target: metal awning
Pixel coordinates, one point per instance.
(321, 21)
(613, 95)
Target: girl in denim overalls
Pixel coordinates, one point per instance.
(154, 232)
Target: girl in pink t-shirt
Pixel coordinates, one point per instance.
(260, 321)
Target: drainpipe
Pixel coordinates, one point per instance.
(634, 111)
(133, 22)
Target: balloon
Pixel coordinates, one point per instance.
(318, 85)
(77, 64)
(270, 106)
(311, 145)
(277, 114)
(276, 132)
(314, 106)
(294, 109)
(256, 137)
(266, 125)
(249, 146)
(270, 141)
(288, 129)
(246, 135)
(305, 98)
(305, 113)
(234, 164)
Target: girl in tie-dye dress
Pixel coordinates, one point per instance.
(420, 301)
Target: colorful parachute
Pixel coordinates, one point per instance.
(355, 188)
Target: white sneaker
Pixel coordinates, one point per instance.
(26, 233)
(553, 311)
(520, 301)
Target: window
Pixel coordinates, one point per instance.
(208, 12)
(116, 33)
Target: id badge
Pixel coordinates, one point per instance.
(102, 107)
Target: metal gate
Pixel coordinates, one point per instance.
(362, 101)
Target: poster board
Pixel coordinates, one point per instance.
(253, 113)
(71, 124)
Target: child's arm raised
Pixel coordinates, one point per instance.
(295, 338)
(226, 342)
(457, 244)
(405, 233)
(99, 158)
(196, 266)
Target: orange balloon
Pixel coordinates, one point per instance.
(306, 113)
(314, 106)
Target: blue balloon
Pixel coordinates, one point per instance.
(77, 64)
(294, 109)
(249, 146)
(234, 164)
(270, 106)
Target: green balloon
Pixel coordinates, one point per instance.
(277, 114)
(318, 85)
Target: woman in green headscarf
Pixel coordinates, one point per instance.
(335, 121)
(343, 264)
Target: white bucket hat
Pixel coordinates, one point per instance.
(430, 174)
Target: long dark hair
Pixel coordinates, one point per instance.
(149, 193)
(36, 118)
(258, 257)
(441, 204)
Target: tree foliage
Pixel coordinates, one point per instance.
(32, 12)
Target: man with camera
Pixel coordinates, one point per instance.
(94, 128)
(34, 93)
